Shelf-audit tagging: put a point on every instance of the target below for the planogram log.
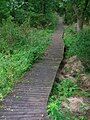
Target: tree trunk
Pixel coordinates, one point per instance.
(79, 24)
(80, 16)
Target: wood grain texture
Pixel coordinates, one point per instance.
(28, 101)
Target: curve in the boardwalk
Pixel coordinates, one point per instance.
(29, 98)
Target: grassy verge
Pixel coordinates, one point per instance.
(20, 47)
(60, 92)
(76, 44)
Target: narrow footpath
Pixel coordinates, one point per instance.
(28, 101)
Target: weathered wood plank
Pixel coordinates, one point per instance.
(29, 98)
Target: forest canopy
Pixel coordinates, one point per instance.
(41, 12)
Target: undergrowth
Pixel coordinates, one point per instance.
(78, 44)
(20, 47)
(60, 92)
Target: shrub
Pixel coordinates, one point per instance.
(20, 47)
(19, 15)
(83, 47)
(78, 44)
(65, 88)
(10, 35)
(70, 39)
(4, 11)
(61, 91)
(13, 8)
(55, 111)
(43, 20)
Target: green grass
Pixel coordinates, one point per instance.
(20, 48)
(60, 92)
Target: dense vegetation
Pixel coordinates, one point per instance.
(25, 31)
(76, 14)
(75, 11)
(18, 54)
(78, 44)
(41, 13)
(61, 91)
(26, 27)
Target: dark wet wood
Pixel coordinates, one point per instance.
(29, 98)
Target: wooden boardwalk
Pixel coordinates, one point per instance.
(28, 101)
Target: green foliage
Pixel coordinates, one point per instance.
(55, 112)
(78, 44)
(60, 92)
(4, 11)
(12, 8)
(65, 9)
(10, 35)
(17, 10)
(20, 47)
(41, 13)
(83, 47)
(46, 21)
(70, 41)
(65, 88)
(73, 9)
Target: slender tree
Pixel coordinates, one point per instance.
(77, 8)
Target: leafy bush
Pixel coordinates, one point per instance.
(78, 44)
(20, 47)
(17, 10)
(70, 39)
(41, 20)
(55, 112)
(4, 11)
(41, 13)
(19, 15)
(61, 91)
(10, 35)
(14, 8)
(65, 88)
(52, 19)
(83, 47)
(69, 17)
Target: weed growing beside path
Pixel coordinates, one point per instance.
(78, 44)
(20, 47)
(62, 92)
(70, 93)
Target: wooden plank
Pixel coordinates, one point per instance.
(29, 98)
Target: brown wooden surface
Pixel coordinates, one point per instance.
(28, 101)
